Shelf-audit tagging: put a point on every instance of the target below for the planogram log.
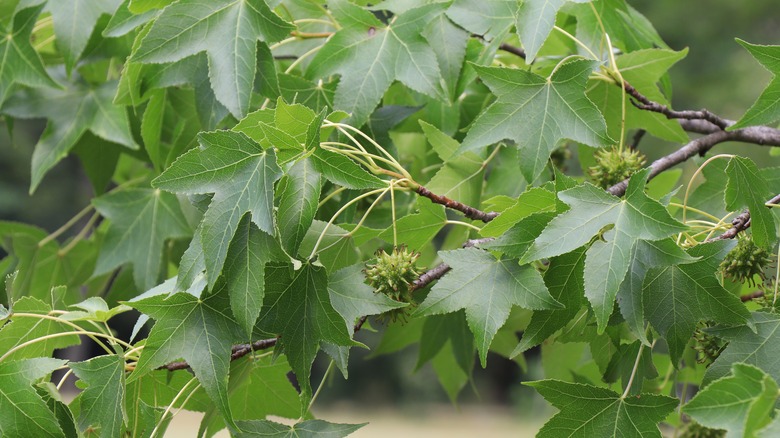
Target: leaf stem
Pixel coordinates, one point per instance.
(57, 335)
(66, 226)
(173, 402)
(464, 224)
(64, 378)
(578, 42)
(321, 385)
(80, 236)
(693, 177)
(335, 215)
(634, 370)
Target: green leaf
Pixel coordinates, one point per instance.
(766, 109)
(537, 112)
(446, 342)
(306, 429)
(677, 297)
(450, 42)
(19, 330)
(488, 18)
(564, 280)
(22, 411)
(70, 112)
(20, 63)
(487, 288)
(352, 298)
(240, 174)
(644, 256)
(746, 188)
(299, 194)
(74, 21)
(516, 241)
(417, 229)
(370, 55)
(642, 69)
(249, 378)
(341, 170)
(298, 309)
(142, 220)
(752, 347)
(198, 330)
(535, 21)
(607, 261)
(244, 274)
(187, 28)
(337, 248)
(460, 178)
(532, 201)
(740, 403)
(102, 402)
(42, 267)
(124, 20)
(591, 411)
(94, 309)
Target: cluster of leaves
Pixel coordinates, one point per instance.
(248, 158)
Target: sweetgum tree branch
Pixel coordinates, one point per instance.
(438, 272)
(468, 211)
(242, 350)
(642, 102)
(741, 223)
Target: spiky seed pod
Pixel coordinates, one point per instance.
(613, 166)
(707, 347)
(393, 273)
(745, 261)
(696, 430)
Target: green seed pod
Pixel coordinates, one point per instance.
(393, 274)
(745, 261)
(613, 166)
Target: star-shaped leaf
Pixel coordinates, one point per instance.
(677, 297)
(645, 256)
(488, 18)
(228, 30)
(746, 188)
(306, 429)
(370, 55)
(141, 222)
(70, 112)
(248, 378)
(537, 112)
(74, 21)
(635, 217)
(591, 411)
(766, 109)
(298, 308)
(563, 279)
(299, 194)
(353, 298)
(102, 402)
(22, 411)
(240, 174)
(22, 330)
(643, 69)
(740, 403)
(244, 274)
(20, 64)
(754, 347)
(198, 330)
(487, 288)
(535, 21)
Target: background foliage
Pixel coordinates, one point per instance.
(248, 159)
